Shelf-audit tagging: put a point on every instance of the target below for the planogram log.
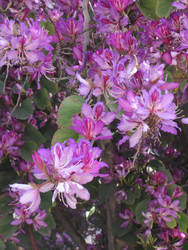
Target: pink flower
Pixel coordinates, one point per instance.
(182, 4)
(29, 195)
(68, 190)
(92, 125)
(38, 220)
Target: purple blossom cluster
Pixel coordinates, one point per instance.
(128, 74)
(64, 168)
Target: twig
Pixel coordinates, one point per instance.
(33, 243)
(86, 26)
(69, 228)
(6, 77)
(136, 154)
(108, 157)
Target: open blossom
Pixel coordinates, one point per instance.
(181, 4)
(128, 216)
(92, 125)
(65, 168)
(68, 190)
(23, 45)
(38, 220)
(28, 194)
(148, 113)
(21, 215)
(108, 15)
(124, 42)
(120, 5)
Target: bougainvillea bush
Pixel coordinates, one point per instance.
(93, 124)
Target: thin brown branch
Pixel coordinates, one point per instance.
(6, 77)
(33, 243)
(137, 153)
(86, 28)
(69, 228)
(108, 156)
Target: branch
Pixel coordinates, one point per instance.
(108, 157)
(33, 243)
(86, 28)
(69, 228)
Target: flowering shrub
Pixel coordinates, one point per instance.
(93, 124)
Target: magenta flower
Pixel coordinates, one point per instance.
(120, 5)
(92, 125)
(128, 216)
(98, 113)
(21, 215)
(70, 29)
(24, 46)
(147, 113)
(66, 167)
(68, 190)
(108, 15)
(38, 220)
(29, 195)
(181, 4)
(124, 42)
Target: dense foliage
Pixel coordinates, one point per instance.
(93, 124)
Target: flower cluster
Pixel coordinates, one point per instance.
(64, 169)
(22, 46)
(95, 79)
(92, 125)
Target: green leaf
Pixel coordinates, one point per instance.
(159, 166)
(46, 231)
(24, 110)
(50, 221)
(27, 150)
(1, 86)
(163, 8)
(105, 190)
(171, 224)
(2, 245)
(119, 231)
(64, 134)
(49, 27)
(70, 106)
(183, 201)
(46, 201)
(7, 177)
(6, 230)
(4, 201)
(183, 222)
(50, 86)
(141, 207)
(131, 239)
(10, 245)
(32, 134)
(41, 99)
(131, 197)
(155, 9)
(90, 212)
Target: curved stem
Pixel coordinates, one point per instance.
(33, 243)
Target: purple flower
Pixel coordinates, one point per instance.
(147, 113)
(182, 4)
(124, 42)
(29, 195)
(128, 216)
(66, 167)
(38, 220)
(21, 215)
(68, 190)
(92, 125)
(120, 5)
